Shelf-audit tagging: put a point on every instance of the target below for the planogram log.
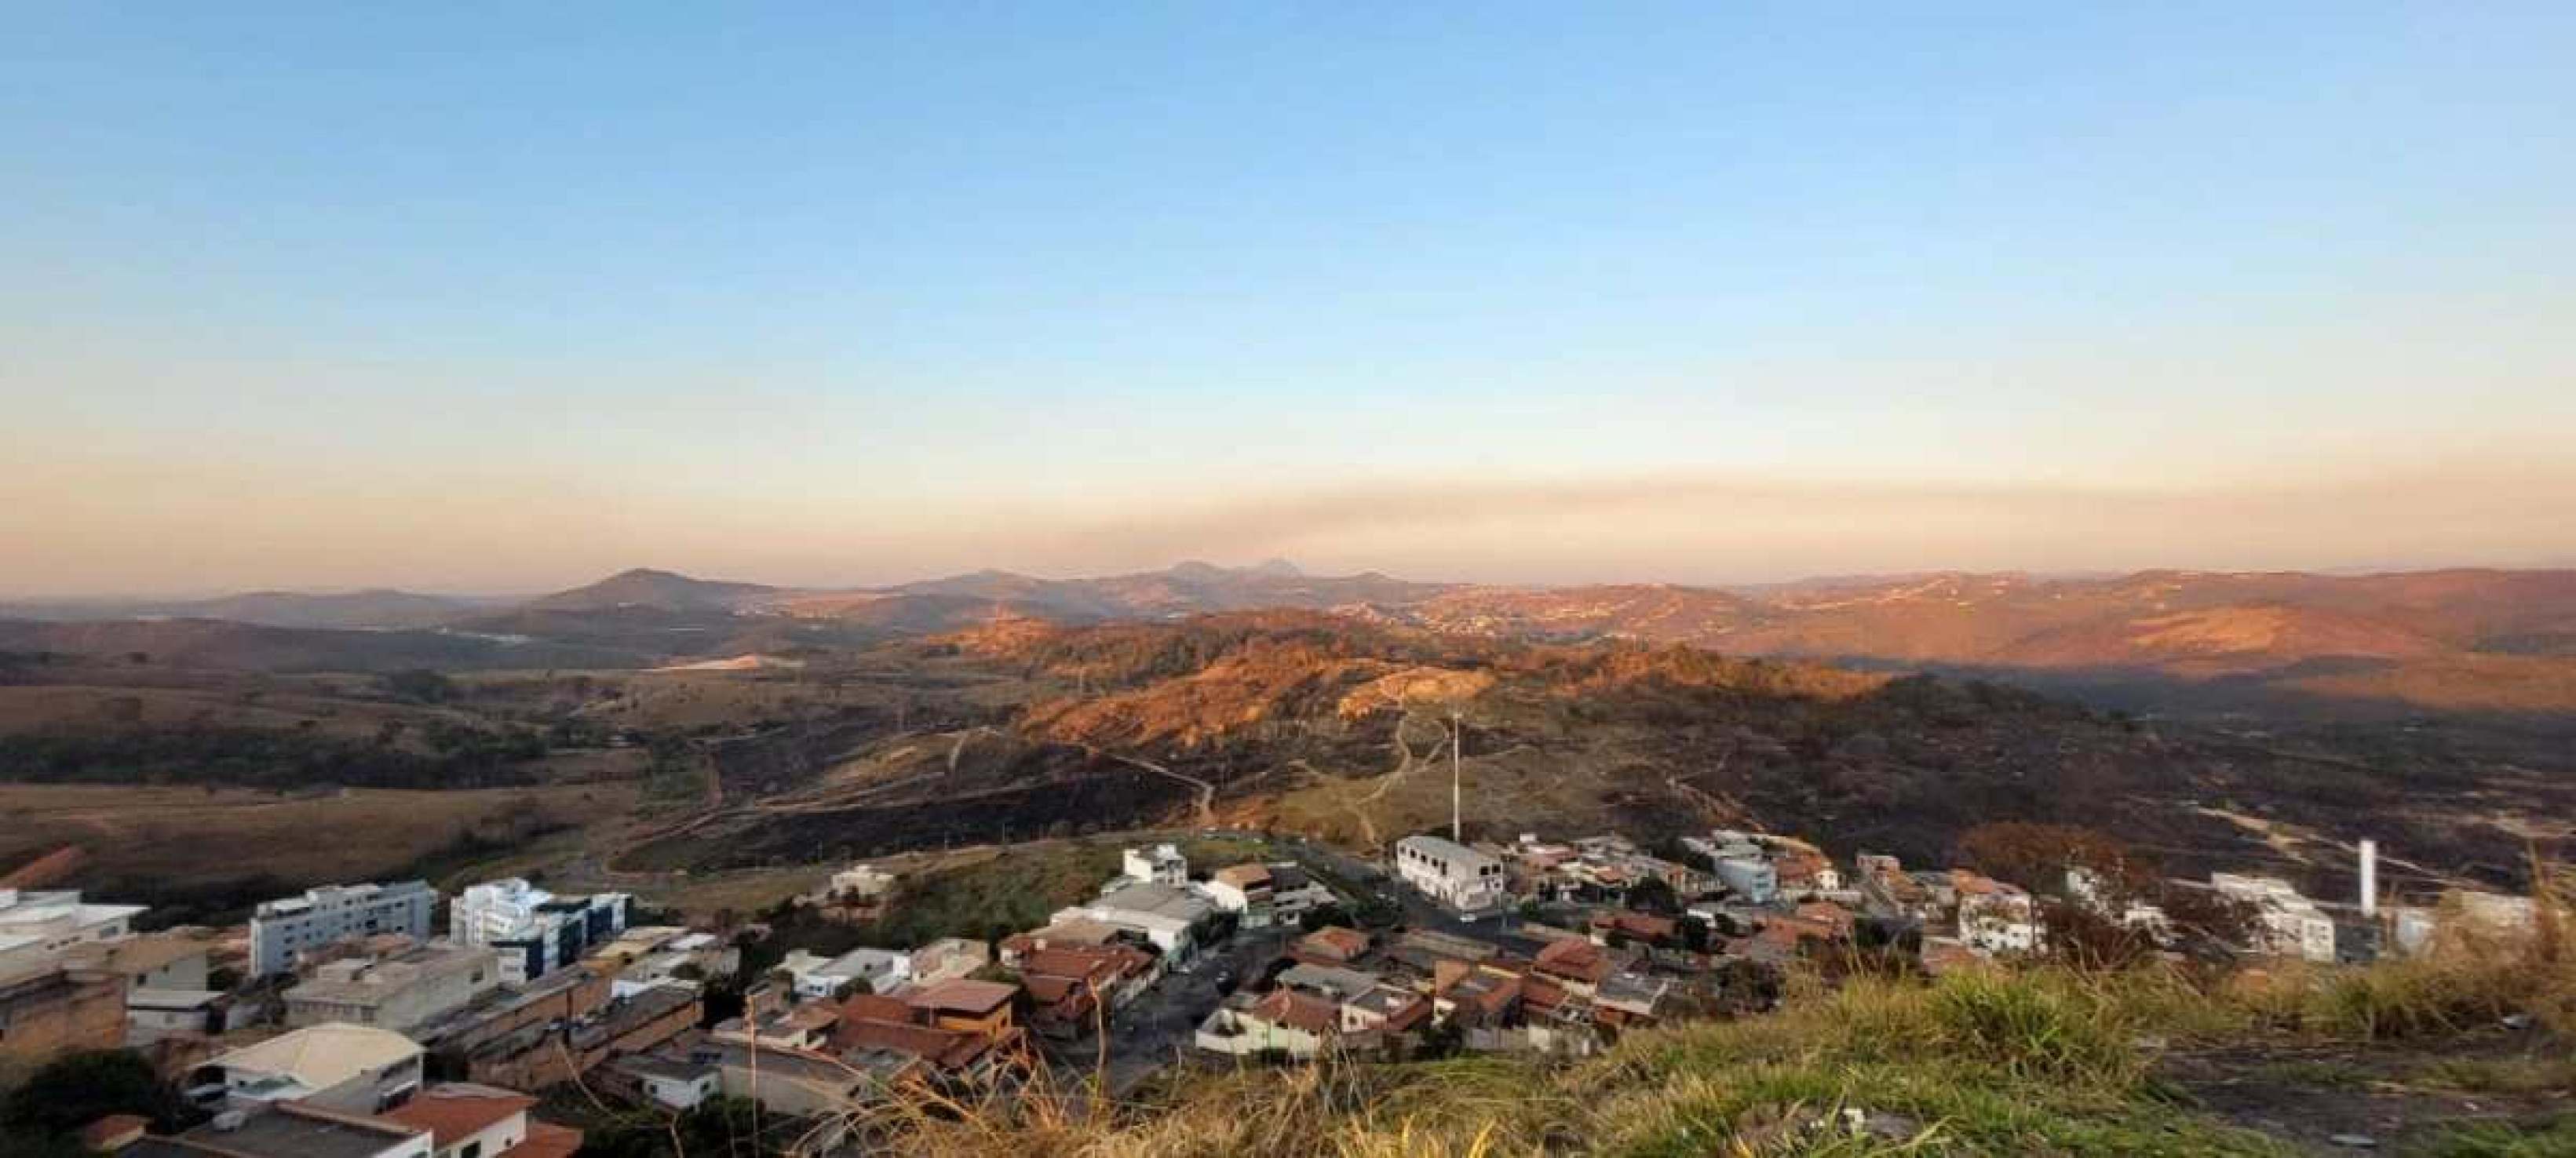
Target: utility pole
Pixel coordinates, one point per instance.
(1457, 828)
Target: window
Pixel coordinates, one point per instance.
(471, 1150)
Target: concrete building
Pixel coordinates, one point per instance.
(48, 1009)
(1162, 864)
(289, 1130)
(1450, 873)
(816, 978)
(1995, 916)
(285, 930)
(1243, 889)
(1168, 917)
(1288, 1022)
(401, 991)
(948, 958)
(671, 1081)
(2292, 925)
(1752, 877)
(535, 931)
(37, 927)
(353, 1069)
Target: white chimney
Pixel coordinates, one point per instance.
(2369, 878)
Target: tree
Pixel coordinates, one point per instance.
(79, 1088)
(1652, 895)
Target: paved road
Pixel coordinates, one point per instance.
(1161, 1024)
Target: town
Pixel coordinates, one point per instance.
(387, 1020)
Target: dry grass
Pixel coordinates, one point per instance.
(2041, 1059)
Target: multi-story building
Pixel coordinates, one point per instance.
(37, 927)
(1166, 916)
(400, 991)
(283, 931)
(1162, 864)
(1451, 873)
(535, 931)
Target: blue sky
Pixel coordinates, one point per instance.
(474, 296)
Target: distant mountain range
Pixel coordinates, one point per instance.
(2483, 640)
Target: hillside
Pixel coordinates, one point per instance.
(648, 588)
(1319, 724)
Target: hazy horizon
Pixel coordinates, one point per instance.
(316, 298)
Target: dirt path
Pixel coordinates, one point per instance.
(1206, 791)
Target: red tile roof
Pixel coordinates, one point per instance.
(1301, 1010)
(1574, 958)
(1334, 942)
(545, 1140)
(945, 1049)
(961, 996)
(454, 1113)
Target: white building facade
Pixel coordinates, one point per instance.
(535, 931)
(1450, 873)
(284, 930)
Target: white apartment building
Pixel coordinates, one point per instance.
(535, 931)
(282, 931)
(1167, 916)
(1162, 864)
(818, 978)
(1450, 873)
(39, 927)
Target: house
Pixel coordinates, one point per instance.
(2291, 925)
(670, 1081)
(1574, 963)
(1889, 890)
(1475, 994)
(1063, 931)
(980, 1007)
(1294, 892)
(39, 926)
(1995, 916)
(815, 978)
(807, 1026)
(467, 1121)
(401, 991)
(1162, 864)
(1749, 875)
(51, 1008)
(1619, 926)
(1284, 1021)
(169, 960)
(950, 957)
(1328, 981)
(1243, 889)
(1450, 873)
(157, 1014)
(286, 930)
(292, 1130)
(787, 1081)
(1384, 1009)
(878, 1027)
(351, 1068)
(1629, 999)
(1169, 917)
(1331, 945)
(1072, 988)
(535, 931)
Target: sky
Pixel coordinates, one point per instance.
(503, 298)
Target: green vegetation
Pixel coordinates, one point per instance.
(43, 1115)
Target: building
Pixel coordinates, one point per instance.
(467, 1121)
(37, 927)
(1753, 877)
(1243, 889)
(980, 1007)
(172, 960)
(948, 958)
(816, 978)
(292, 1130)
(1168, 917)
(1294, 892)
(350, 1068)
(535, 931)
(47, 1009)
(539, 1055)
(1072, 988)
(2291, 924)
(674, 1082)
(1995, 916)
(401, 991)
(1162, 864)
(284, 931)
(1450, 873)
(1284, 1021)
